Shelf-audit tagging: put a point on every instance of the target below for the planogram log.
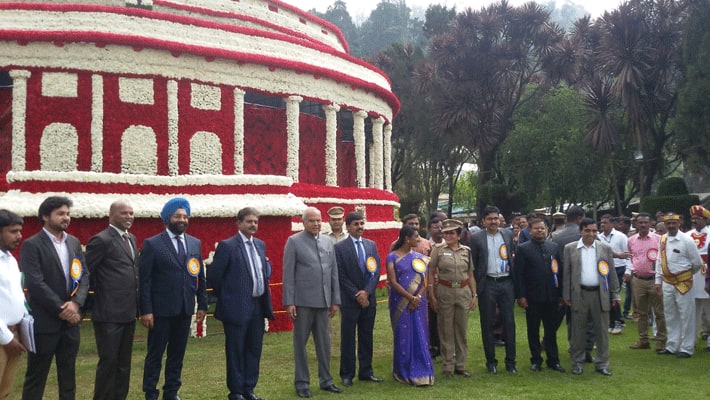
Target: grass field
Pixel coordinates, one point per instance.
(637, 374)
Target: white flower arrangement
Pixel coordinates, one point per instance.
(173, 144)
(359, 139)
(59, 147)
(292, 134)
(376, 160)
(97, 122)
(239, 131)
(19, 117)
(387, 159)
(331, 153)
(205, 153)
(139, 149)
(370, 226)
(136, 90)
(205, 97)
(59, 84)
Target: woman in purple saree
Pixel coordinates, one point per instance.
(406, 272)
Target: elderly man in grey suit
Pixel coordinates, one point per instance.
(587, 286)
(311, 296)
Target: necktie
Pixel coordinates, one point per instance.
(256, 272)
(182, 257)
(127, 244)
(361, 255)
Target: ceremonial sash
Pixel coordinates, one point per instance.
(682, 281)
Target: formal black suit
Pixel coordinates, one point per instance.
(114, 280)
(494, 293)
(168, 292)
(241, 314)
(352, 279)
(535, 281)
(48, 288)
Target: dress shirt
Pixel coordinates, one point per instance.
(618, 243)
(254, 265)
(63, 253)
(121, 233)
(640, 248)
(174, 241)
(11, 296)
(681, 255)
(494, 259)
(590, 267)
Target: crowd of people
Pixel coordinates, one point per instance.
(572, 268)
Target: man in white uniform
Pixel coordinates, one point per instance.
(699, 217)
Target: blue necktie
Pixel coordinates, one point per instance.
(182, 256)
(257, 273)
(361, 255)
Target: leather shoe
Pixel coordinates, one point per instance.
(640, 345)
(463, 373)
(448, 374)
(536, 367)
(576, 370)
(304, 393)
(235, 397)
(493, 369)
(347, 382)
(511, 369)
(251, 396)
(371, 378)
(556, 367)
(682, 354)
(664, 352)
(332, 388)
(604, 371)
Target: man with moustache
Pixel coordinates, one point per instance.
(699, 217)
(111, 258)
(311, 296)
(539, 291)
(57, 283)
(678, 260)
(588, 285)
(239, 276)
(12, 301)
(358, 275)
(336, 218)
(171, 276)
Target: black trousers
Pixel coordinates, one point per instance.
(549, 315)
(65, 346)
(114, 343)
(500, 294)
(242, 345)
(362, 320)
(170, 332)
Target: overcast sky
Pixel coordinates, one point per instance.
(360, 9)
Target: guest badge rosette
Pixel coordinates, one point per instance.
(603, 268)
(76, 270)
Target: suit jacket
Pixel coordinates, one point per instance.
(479, 255)
(310, 272)
(166, 287)
(571, 286)
(114, 277)
(534, 278)
(46, 284)
(351, 277)
(231, 280)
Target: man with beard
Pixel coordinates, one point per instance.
(110, 257)
(539, 291)
(57, 283)
(171, 275)
(358, 274)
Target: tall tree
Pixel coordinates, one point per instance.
(338, 15)
(390, 22)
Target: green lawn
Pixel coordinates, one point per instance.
(638, 374)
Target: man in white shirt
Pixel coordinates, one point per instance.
(699, 217)
(12, 301)
(678, 261)
(618, 242)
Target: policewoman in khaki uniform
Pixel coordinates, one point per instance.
(454, 297)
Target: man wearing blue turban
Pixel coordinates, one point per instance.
(172, 275)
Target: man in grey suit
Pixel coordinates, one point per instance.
(490, 252)
(586, 288)
(111, 259)
(311, 296)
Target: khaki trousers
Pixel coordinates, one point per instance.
(8, 370)
(645, 297)
(453, 321)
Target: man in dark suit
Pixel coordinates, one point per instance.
(358, 273)
(311, 296)
(588, 285)
(490, 251)
(110, 257)
(239, 276)
(171, 276)
(57, 283)
(539, 291)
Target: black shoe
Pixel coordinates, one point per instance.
(499, 342)
(536, 367)
(176, 397)
(251, 396)
(304, 393)
(462, 372)
(556, 367)
(604, 371)
(511, 369)
(682, 354)
(492, 369)
(576, 370)
(347, 382)
(588, 357)
(371, 378)
(664, 352)
(332, 388)
(236, 397)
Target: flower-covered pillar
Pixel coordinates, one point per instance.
(173, 116)
(387, 157)
(19, 117)
(97, 122)
(359, 138)
(238, 131)
(370, 156)
(293, 138)
(331, 154)
(376, 161)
